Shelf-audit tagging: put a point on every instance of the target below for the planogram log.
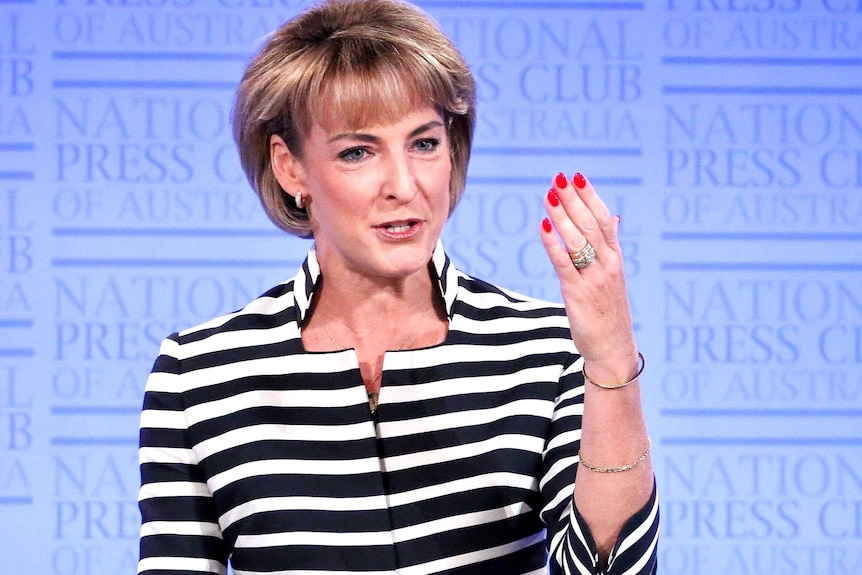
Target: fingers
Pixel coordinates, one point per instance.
(594, 290)
(584, 217)
(586, 207)
(559, 255)
(607, 224)
(569, 231)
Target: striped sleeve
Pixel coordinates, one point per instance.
(180, 534)
(571, 545)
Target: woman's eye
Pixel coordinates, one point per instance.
(427, 144)
(353, 154)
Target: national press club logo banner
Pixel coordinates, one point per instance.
(726, 133)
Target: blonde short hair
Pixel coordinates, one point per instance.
(357, 62)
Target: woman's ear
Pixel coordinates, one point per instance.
(287, 168)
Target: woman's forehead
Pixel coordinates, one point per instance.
(359, 99)
(415, 118)
(346, 116)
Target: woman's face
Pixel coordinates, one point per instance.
(377, 196)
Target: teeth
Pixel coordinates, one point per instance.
(398, 229)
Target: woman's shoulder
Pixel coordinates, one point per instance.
(271, 310)
(490, 313)
(481, 293)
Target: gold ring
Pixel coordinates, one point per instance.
(583, 257)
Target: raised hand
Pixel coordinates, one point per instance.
(588, 259)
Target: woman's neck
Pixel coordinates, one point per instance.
(373, 318)
(366, 303)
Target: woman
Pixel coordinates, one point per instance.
(381, 411)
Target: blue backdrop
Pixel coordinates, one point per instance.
(727, 134)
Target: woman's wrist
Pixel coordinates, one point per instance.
(616, 383)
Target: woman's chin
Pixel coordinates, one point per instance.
(405, 261)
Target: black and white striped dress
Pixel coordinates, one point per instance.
(256, 451)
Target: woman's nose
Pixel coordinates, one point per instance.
(401, 182)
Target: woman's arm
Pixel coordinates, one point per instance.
(572, 545)
(179, 524)
(614, 434)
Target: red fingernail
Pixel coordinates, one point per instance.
(546, 225)
(561, 180)
(580, 181)
(553, 198)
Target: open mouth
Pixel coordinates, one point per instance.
(398, 228)
(401, 229)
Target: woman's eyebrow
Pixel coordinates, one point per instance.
(425, 127)
(364, 137)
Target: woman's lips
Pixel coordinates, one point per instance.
(400, 229)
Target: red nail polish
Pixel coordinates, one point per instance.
(561, 180)
(546, 225)
(553, 198)
(580, 181)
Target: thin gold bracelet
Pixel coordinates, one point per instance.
(617, 469)
(641, 366)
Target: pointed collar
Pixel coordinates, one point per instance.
(307, 281)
